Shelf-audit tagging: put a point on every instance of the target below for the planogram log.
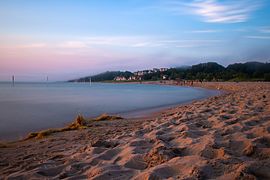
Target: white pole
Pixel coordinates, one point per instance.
(13, 80)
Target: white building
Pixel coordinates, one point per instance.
(155, 70)
(163, 69)
(164, 77)
(120, 78)
(132, 78)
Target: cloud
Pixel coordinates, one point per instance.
(264, 29)
(217, 11)
(23, 46)
(135, 42)
(258, 37)
(116, 40)
(149, 42)
(205, 31)
(73, 44)
(34, 45)
(84, 46)
(190, 43)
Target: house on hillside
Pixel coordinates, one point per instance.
(150, 71)
(145, 72)
(132, 78)
(163, 69)
(120, 78)
(165, 77)
(155, 70)
(138, 73)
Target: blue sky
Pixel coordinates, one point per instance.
(71, 38)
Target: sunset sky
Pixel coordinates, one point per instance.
(65, 39)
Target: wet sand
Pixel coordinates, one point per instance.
(222, 137)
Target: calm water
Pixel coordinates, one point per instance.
(34, 106)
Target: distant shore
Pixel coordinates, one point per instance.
(225, 136)
(223, 86)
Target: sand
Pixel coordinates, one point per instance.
(222, 137)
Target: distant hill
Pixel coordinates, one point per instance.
(238, 71)
(249, 69)
(183, 67)
(210, 67)
(210, 71)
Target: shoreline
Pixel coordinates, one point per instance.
(221, 137)
(148, 112)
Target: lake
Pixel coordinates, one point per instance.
(28, 107)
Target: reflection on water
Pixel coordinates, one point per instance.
(34, 106)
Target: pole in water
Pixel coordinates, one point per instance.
(47, 78)
(13, 80)
(90, 80)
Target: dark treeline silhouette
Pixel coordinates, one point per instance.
(106, 76)
(211, 71)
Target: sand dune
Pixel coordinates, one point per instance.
(222, 137)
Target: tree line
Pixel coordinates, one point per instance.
(210, 71)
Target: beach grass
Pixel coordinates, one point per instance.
(79, 123)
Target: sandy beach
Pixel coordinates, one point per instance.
(222, 137)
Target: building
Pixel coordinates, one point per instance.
(155, 70)
(145, 72)
(120, 78)
(165, 77)
(163, 69)
(132, 78)
(139, 73)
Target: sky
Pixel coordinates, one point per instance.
(66, 39)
